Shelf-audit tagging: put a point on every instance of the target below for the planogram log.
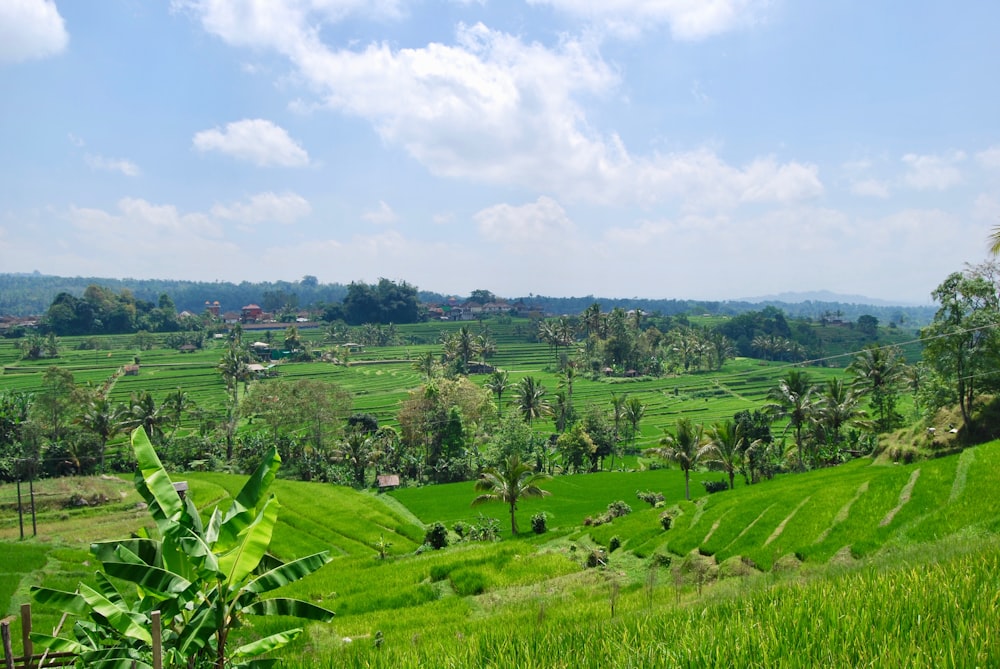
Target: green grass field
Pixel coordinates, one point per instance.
(862, 564)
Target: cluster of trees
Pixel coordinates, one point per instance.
(65, 429)
(102, 311)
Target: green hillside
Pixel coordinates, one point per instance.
(866, 563)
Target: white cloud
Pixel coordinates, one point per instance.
(986, 208)
(126, 167)
(688, 19)
(933, 172)
(870, 188)
(493, 109)
(382, 215)
(284, 208)
(990, 158)
(255, 140)
(30, 29)
(541, 222)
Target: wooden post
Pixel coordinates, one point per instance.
(29, 648)
(157, 642)
(8, 650)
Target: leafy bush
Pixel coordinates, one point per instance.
(614, 544)
(487, 529)
(619, 509)
(666, 520)
(539, 523)
(596, 557)
(715, 486)
(437, 536)
(651, 498)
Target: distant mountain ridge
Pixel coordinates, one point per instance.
(828, 296)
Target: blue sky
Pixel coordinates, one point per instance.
(704, 149)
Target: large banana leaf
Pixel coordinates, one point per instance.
(148, 550)
(246, 505)
(267, 644)
(288, 572)
(241, 561)
(70, 602)
(151, 579)
(281, 606)
(126, 622)
(154, 485)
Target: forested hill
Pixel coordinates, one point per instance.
(32, 294)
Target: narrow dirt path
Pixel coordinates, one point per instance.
(844, 512)
(781, 526)
(961, 474)
(904, 497)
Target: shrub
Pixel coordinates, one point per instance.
(596, 558)
(666, 520)
(618, 509)
(437, 536)
(461, 529)
(614, 544)
(715, 486)
(662, 560)
(651, 498)
(539, 523)
(488, 529)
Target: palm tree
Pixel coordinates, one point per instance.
(355, 451)
(510, 481)
(837, 407)
(634, 412)
(726, 447)
(995, 241)
(878, 372)
(497, 383)
(100, 417)
(792, 399)
(176, 403)
(426, 364)
(530, 399)
(143, 412)
(686, 447)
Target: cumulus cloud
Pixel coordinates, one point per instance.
(126, 167)
(284, 208)
(933, 172)
(541, 222)
(870, 188)
(689, 20)
(30, 29)
(258, 141)
(381, 215)
(990, 158)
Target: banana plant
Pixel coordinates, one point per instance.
(204, 579)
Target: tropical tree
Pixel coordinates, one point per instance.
(726, 448)
(497, 383)
(205, 580)
(963, 343)
(792, 400)
(100, 417)
(879, 373)
(175, 404)
(529, 396)
(838, 406)
(142, 411)
(355, 451)
(54, 403)
(510, 482)
(634, 412)
(687, 446)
